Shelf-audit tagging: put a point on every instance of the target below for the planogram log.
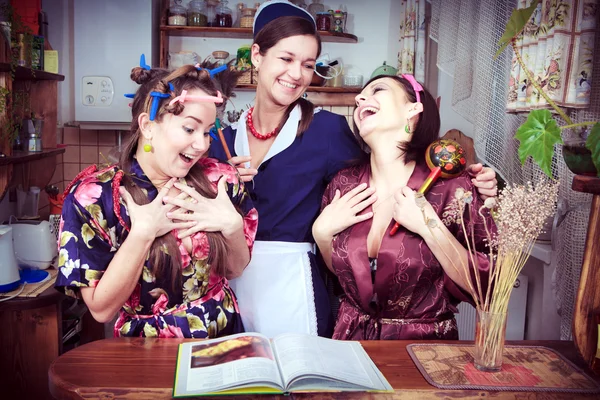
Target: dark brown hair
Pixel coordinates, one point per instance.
(425, 131)
(157, 80)
(269, 36)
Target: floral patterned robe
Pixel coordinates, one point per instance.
(414, 299)
(90, 235)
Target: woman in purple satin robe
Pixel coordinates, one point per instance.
(402, 286)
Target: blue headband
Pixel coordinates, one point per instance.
(271, 10)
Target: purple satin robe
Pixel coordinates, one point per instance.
(415, 299)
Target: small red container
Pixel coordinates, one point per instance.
(323, 21)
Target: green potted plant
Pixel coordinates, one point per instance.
(540, 132)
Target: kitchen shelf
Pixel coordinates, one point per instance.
(243, 33)
(23, 73)
(19, 157)
(320, 89)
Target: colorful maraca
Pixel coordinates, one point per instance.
(445, 158)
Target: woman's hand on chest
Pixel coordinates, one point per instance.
(151, 220)
(412, 210)
(207, 215)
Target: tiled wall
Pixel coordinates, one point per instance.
(85, 147)
(82, 148)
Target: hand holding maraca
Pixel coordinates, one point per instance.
(445, 158)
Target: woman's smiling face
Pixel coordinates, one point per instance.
(179, 141)
(287, 68)
(382, 105)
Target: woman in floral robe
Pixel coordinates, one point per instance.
(405, 286)
(156, 236)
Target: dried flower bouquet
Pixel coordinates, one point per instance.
(519, 213)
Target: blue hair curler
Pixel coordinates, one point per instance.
(143, 62)
(214, 71)
(156, 96)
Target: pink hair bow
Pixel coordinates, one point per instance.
(415, 85)
(184, 97)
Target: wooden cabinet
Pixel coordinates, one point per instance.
(30, 339)
(40, 87)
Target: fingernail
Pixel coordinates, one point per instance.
(169, 214)
(166, 198)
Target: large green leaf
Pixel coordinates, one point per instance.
(515, 25)
(593, 144)
(537, 137)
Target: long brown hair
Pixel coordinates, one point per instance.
(164, 252)
(276, 30)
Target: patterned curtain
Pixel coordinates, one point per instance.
(411, 58)
(557, 46)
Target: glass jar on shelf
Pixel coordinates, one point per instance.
(211, 12)
(196, 15)
(238, 15)
(323, 21)
(177, 14)
(247, 17)
(223, 16)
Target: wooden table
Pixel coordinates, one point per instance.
(138, 368)
(587, 305)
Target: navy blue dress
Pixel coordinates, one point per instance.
(289, 186)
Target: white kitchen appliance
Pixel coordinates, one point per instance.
(109, 37)
(35, 243)
(9, 270)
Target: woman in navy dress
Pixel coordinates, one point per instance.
(288, 152)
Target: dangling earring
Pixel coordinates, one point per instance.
(147, 147)
(407, 127)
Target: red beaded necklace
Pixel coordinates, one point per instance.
(253, 130)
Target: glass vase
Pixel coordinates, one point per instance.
(490, 331)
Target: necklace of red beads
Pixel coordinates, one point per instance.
(255, 133)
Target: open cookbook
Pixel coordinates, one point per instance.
(250, 363)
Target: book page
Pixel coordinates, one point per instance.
(218, 364)
(313, 356)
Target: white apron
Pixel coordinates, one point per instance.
(275, 292)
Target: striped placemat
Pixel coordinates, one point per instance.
(524, 368)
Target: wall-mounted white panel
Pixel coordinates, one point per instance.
(109, 37)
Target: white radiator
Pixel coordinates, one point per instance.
(515, 326)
